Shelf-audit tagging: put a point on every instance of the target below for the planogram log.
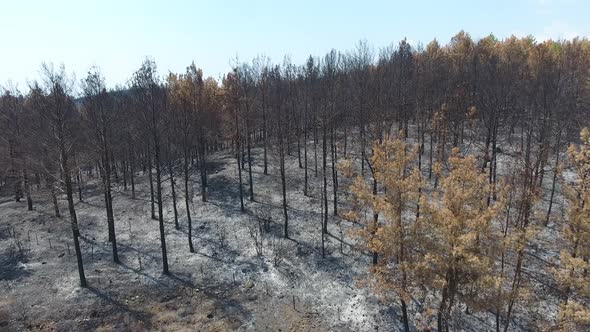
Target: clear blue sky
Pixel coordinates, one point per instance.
(118, 35)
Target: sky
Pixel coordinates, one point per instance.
(117, 35)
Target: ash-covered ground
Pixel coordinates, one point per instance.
(225, 285)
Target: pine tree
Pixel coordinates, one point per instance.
(572, 274)
(457, 239)
(392, 165)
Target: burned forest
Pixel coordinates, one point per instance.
(415, 187)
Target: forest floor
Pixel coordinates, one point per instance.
(223, 286)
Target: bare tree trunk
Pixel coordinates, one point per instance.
(405, 316)
(112, 226)
(362, 129)
(150, 177)
(103, 177)
(79, 182)
(27, 190)
(494, 163)
(17, 186)
(114, 167)
(323, 232)
(305, 161)
(345, 140)
(325, 180)
(132, 174)
(172, 186)
(420, 151)
(288, 139)
(239, 154)
(54, 197)
(555, 173)
(430, 155)
(299, 147)
(203, 165)
(109, 199)
(334, 172)
(315, 148)
(187, 202)
(124, 165)
(160, 205)
(264, 136)
(72, 209)
(243, 152)
(514, 290)
(284, 187)
(248, 141)
(375, 221)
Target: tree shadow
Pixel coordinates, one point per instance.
(121, 308)
(10, 269)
